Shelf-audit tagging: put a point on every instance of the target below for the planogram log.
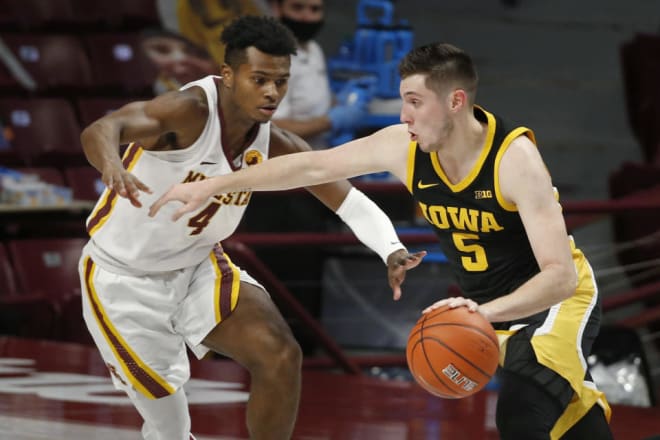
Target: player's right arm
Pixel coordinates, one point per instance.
(143, 122)
(385, 150)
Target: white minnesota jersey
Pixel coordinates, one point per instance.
(125, 238)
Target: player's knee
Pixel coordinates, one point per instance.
(279, 353)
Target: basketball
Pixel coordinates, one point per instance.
(452, 353)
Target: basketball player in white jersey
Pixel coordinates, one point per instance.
(151, 286)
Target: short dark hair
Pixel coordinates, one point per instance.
(443, 64)
(265, 33)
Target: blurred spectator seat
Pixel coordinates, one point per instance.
(46, 174)
(29, 316)
(84, 181)
(72, 15)
(131, 14)
(7, 281)
(641, 69)
(45, 130)
(22, 314)
(119, 64)
(640, 226)
(72, 326)
(57, 63)
(8, 19)
(40, 14)
(91, 109)
(47, 266)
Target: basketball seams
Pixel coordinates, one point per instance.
(439, 351)
(458, 324)
(466, 360)
(449, 388)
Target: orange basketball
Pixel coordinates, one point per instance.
(452, 353)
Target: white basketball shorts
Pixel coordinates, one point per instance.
(142, 323)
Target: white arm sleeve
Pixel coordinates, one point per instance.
(369, 224)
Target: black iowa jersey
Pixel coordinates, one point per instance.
(480, 233)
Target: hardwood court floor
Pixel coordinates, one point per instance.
(54, 390)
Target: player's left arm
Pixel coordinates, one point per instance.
(367, 221)
(526, 183)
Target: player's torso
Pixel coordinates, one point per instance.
(485, 242)
(125, 237)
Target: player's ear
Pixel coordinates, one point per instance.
(227, 74)
(459, 99)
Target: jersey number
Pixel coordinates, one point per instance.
(476, 261)
(202, 219)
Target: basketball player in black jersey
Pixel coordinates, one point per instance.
(482, 184)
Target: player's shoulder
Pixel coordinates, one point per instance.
(285, 142)
(189, 102)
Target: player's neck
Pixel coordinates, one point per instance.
(462, 149)
(237, 130)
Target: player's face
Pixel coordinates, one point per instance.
(259, 84)
(426, 113)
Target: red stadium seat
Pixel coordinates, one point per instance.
(44, 128)
(90, 109)
(119, 64)
(133, 14)
(57, 63)
(47, 266)
(7, 281)
(84, 181)
(72, 325)
(46, 174)
(39, 14)
(71, 15)
(29, 316)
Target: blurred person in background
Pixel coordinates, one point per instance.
(202, 21)
(307, 109)
(177, 60)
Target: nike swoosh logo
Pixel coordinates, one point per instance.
(208, 163)
(421, 185)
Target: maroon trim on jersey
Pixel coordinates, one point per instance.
(224, 145)
(226, 282)
(131, 364)
(101, 213)
(129, 155)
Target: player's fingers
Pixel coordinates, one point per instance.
(155, 207)
(435, 305)
(396, 293)
(142, 187)
(183, 210)
(395, 284)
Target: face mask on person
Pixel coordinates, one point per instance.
(303, 30)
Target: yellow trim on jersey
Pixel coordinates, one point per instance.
(505, 146)
(127, 372)
(488, 144)
(412, 150)
(235, 285)
(563, 328)
(107, 192)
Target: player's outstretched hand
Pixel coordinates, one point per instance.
(192, 194)
(117, 179)
(453, 302)
(398, 263)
